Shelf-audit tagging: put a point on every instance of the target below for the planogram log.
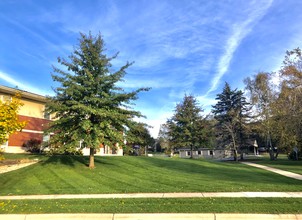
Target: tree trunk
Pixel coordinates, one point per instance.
(271, 154)
(235, 155)
(241, 155)
(277, 155)
(235, 148)
(191, 157)
(270, 147)
(91, 158)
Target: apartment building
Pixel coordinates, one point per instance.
(33, 111)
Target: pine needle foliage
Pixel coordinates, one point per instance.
(186, 127)
(89, 106)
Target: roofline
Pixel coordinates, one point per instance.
(197, 149)
(24, 94)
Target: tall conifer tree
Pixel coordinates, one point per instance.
(231, 113)
(89, 105)
(186, 127)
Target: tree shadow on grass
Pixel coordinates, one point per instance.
(68, 160)
(72, 160)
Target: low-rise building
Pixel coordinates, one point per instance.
(204, 153)
(33, 112)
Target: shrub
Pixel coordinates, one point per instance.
(1, 155)
(293, 156)
(33, 145)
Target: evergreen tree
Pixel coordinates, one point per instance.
(139, 135)
(186, 127)
(88, 105)
(164, 139)
(231, 113)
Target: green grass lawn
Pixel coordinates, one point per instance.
(70, 175)
(188, 205)
(281, 163)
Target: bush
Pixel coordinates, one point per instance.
(1, 155)
(33, 145)
(292, 155)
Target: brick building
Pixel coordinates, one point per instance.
(32, 111)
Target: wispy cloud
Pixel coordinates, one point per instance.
(22, 85)
(33, 34)
(238, 33)
(8, 79)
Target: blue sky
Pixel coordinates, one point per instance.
(178, 46)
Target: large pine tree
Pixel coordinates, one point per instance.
(88, 105)
(231, 113)
(186, 127)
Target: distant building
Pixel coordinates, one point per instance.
(33, 111)
(204, 153)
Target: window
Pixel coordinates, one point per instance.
(188, 153)
(199, 152)
(46, 115)
(211, 153)
(46, 138)
(5, 98)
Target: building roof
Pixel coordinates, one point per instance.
(24, 94)
(195, 149)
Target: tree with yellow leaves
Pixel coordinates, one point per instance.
(9, 122)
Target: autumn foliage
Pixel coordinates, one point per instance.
(9, 122)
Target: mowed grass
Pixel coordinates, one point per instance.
(175, 205)
(70, 175)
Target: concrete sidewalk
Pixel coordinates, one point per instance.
(158, 195)
(157, 216)
(275, 170)
(9, 168)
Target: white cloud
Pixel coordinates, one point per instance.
(238, 33)
(22, 85)
(155, 123)
(8, 79)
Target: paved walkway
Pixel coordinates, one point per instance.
(275, 170)
(157, 216)
(159, 195)
(8, 168)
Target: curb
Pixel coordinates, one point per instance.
(160, 195)
(157, 216)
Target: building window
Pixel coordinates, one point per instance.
(211, 153)
(46, 115)
(46, 138)
(5, 98)
(199, 152)
(188, 153)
